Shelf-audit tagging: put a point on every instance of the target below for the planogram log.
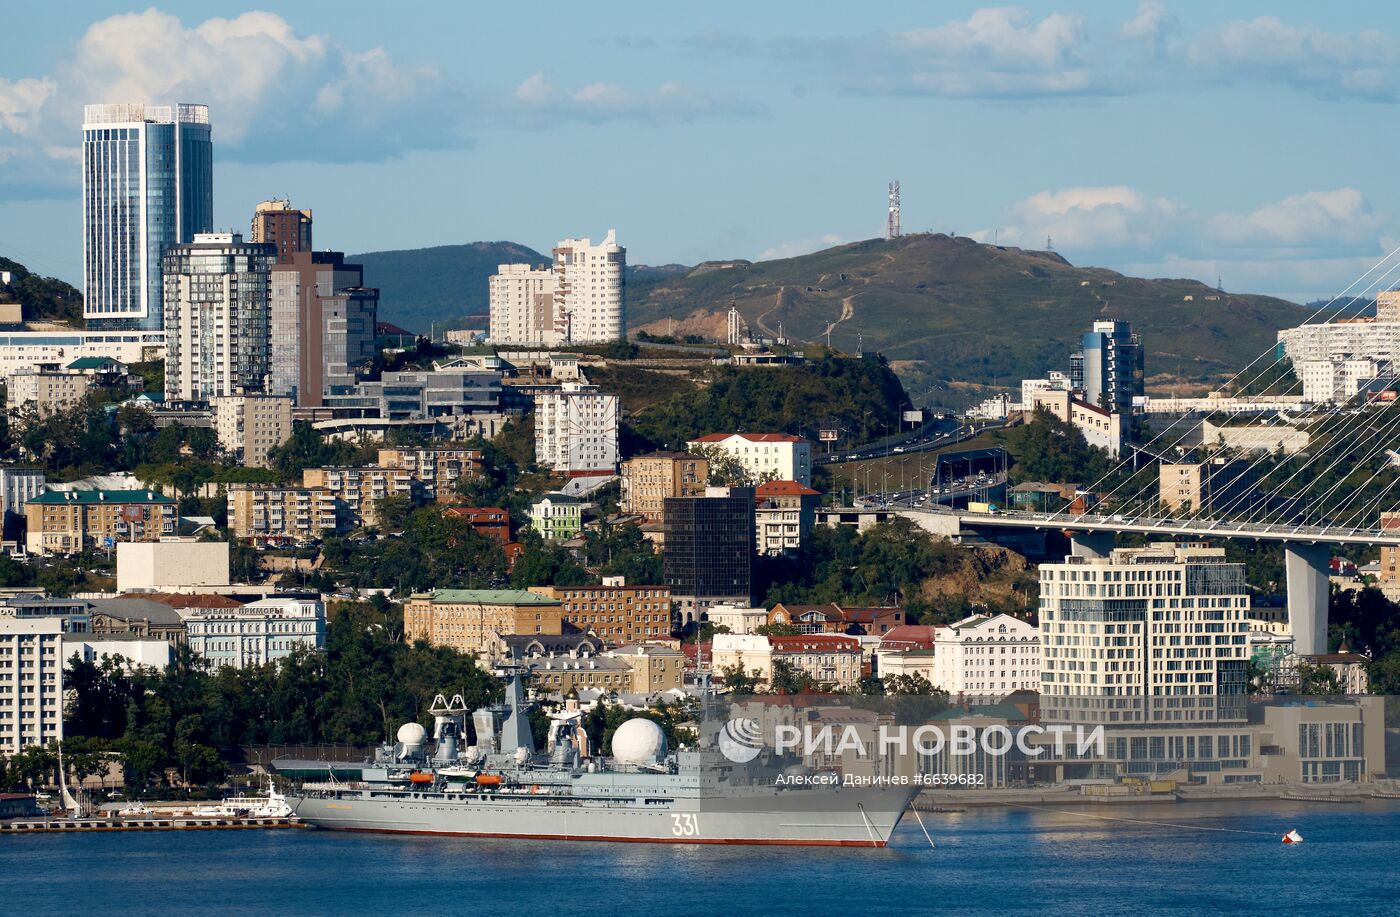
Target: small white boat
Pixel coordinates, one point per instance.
(1293, 837)
(136, 810)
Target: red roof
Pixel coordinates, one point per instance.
(821, 643)
(476, 513)
(176, 600)
(751, 437)
(783, 489)
(909, 637)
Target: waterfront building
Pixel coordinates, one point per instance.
(322, 325)
(709, 549)
(472, 620)
(256, 633)
(31, 683)
(764, 456)
(783, 515)
(523, 307)
(148, 184)
(216, 317)
(557, 517)
(71, 521)
(270, 513)
(615, 612)
(576, 430)
(590, 290)
(647, 480)
(279, 224)
(987, 656)
(251, 426)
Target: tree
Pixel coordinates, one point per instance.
(912, 684)
(788, 679)
(737, 680)
(778, 629)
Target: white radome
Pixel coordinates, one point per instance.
(639, 741)
(412, 734)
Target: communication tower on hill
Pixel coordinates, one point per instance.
(892, 230)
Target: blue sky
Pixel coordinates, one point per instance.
(1251, 140)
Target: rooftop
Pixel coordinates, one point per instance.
(490, 597)
(784, 489)
(751, 437)
(101, 496)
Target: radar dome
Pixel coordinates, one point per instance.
(412, 734)
(639, 741)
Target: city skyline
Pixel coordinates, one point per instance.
(707, 142)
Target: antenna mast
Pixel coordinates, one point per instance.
(892, 230)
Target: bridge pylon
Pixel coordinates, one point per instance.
(1308, 566)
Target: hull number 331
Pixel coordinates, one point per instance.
(685, 824)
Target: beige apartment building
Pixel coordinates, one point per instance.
(266, 512)
(251, 426)
(643, 668)
(470, 620)
(1218, 485)
(648, 480)
(437, 468)
(616, 614)
(361, 489)
(47, 392)
(68, 521)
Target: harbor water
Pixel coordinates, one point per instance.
(1096, 860)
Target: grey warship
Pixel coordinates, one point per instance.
(501, 787)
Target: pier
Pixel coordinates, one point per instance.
(156, 823)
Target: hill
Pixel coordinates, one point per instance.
(445, 284)
(44, 299)
(958, 316)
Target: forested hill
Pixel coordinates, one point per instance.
(44, 299)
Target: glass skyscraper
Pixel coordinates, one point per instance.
(148, 183)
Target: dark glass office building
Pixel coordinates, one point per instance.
(709, 549)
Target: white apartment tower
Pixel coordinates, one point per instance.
(216, 317)
(31, 682)
(523, 306)
(1164, 621)
(589, 292)
(147, 184)
(576, 430)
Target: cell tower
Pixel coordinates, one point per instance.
(892, 223)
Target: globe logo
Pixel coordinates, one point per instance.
(741, 740)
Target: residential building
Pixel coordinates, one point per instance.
(764, 456)
(436, 468)
(837, 619)
(456, 396)
(783, 516)
(216, 317)
(67, 522)
(269, 513)
(618, 614)
(490, 521)
(322, 325)
(31, 683)
(45, 392)
(75, 615)
(17, 487)
(1255, 437)
(251, 426)
(576, 430)
(1220, 484)
(359, 490)
(1055, 382)
(987, 656)
(1389, 573)
(590, 289)
(279, 224)
(53, 351)
(471, 620)
(1110, 367)
(648, 480)
(737, 619)
(557, 517)
(750, 654)
(709, 549)
(523, 307)
(1340, 377)
(828, 659)
(172, 564)
(1335, 360)
(1149, 626)
(1100, 428)
(148, 184)
(257, 633)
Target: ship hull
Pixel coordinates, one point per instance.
(853, 818)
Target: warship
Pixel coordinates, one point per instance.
(502, 787)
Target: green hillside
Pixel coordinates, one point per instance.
(44, 299)
(959, 316)
(445, 284)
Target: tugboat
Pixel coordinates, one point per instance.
(502, 787)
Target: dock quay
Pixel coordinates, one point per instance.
(156, 823)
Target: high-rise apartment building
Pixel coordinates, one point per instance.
(31, 682)
(523, 307)
(251, 426)
(148, 183)
(590, 289)
(1149, 626)
(709, 549)
(216, 317)
(321, 324)
(279, 224)
(576, 430)
(1108, 369)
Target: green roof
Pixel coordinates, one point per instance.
(995, 711)
(492, 597)
(101, 496)
(92, 362)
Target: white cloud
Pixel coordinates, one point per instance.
(21, 102)
(1109, 217)
(795, 247)
(1302, 221)
(1330, 64)
(1149, 23)
(539, 102)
